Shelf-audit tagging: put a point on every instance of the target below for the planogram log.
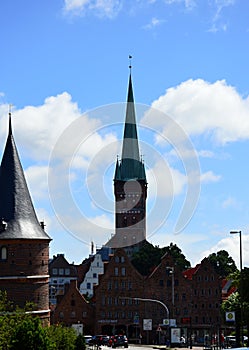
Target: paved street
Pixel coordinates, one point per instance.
(146, 347)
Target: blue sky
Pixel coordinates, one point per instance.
(64, 69)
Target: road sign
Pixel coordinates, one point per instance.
(165, 321)
(147, 324)
(230, 316)
(159, 329)
(136, 319)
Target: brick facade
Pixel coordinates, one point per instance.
(24, 273)
(114, 308)
(114, 312)
(61, 273)
(73, 308)
(24, 244)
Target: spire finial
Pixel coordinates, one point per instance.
(10, 127)
(130, 66)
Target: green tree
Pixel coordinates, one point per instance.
(63, 338)
(80, 343)
(223, 264)
(30, 335)
(178, 256)
(241, 281)
(149, 256)
(9, 319)
(21, 330)
(5, 304)
(239, 301)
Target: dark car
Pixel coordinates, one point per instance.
(99, 340)
(119, 340)
(105, 339)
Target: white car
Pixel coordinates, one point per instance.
(88, 339)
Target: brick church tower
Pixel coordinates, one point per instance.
(24, 245)
(130, 187)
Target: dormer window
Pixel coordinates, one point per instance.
(3, 225)
(3, 253)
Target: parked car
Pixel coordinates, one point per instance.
(230, 341)
(99, 340)
(105, 339)
(88, 339)
(119, 340)
(110, 340)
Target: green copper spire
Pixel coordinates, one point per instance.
(130, 141)
(130, 167)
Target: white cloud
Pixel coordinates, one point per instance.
(165, 181)
(209, 176)
(206, 154)
(37, 180)
(155, 22)
(229, 202)
(102, 8)
(231, 245)
(200, 107)
(95, 151)
(217, 23)
(189, 4)
(37, 128)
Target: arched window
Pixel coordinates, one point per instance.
(3, 253)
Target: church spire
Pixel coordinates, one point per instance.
(130, 187)
(16, 208)
(130, 166)
(130, 141)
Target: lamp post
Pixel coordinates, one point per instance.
(172, 271)
(150, 300)
(240, 258)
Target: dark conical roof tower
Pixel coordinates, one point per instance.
(24, 245)
(130, 186)
(16, 208)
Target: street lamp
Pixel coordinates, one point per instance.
(240, 246)
(240, 257)
(172, 271)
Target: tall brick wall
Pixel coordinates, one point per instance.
(24, 274)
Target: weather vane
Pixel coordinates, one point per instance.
(10, 106)
(130, 57)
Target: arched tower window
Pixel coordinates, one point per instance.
(3, 254)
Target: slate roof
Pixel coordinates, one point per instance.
(18, 219)
(130, 167)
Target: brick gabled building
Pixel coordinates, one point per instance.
(72, 308)
(61, 272)
(192, 298)
(115, 311)
(167, 284)
(24, 244)
(205, 299)
(124, 298)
